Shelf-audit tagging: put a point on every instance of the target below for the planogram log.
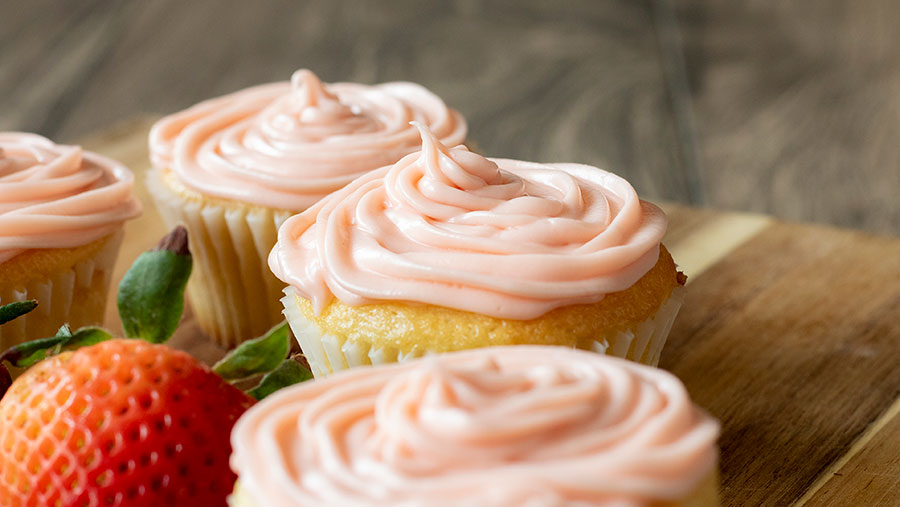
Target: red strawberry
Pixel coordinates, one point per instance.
(122, 422)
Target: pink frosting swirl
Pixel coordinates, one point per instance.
(448, 227)
(58, 196)
(286, 145)
(519, 425)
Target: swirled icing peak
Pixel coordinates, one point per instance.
(448, 227)
(518, 425)
(58, 196)
(286, 145)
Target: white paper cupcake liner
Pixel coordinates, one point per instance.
(328, 354)
(233, 294)
(76, 296)
(645, 342)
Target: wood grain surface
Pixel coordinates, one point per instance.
(791, 340)
(787, 108)
(788, 335)
(797, 107)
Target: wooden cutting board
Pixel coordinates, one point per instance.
(789, 335)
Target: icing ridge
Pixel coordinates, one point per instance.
(58, 196)
(448, 227)
(285, 145)
(519, 425)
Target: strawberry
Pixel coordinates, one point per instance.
(121, 422)
(98, 421)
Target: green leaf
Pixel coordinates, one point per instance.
(31, 352)
(84, 337)
(288, 373)
(259, 355)
(17, 309)
(26, 354)
(151, 295)
(64, 331)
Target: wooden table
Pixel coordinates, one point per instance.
(789, 335)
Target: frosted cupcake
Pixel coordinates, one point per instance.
(62, 212)
(448, 250)
(231, 169)
(490, 427)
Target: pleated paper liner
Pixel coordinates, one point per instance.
(233, 294)
(328, 354)
(76, 295)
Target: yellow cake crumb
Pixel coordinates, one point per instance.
(170, 179)
(415, 328)
(43, 263)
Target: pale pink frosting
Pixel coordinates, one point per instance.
(448, 227)
(286, 145)
(519, 425)
(58, 196)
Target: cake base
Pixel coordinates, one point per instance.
(69, 284)
(329, 352)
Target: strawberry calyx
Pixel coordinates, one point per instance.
(151, 303)
(9, 312)
(29, 353)
(270, 356)
(151, 294)
(5, 380)
(16, 310)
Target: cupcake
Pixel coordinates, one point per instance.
(524, 425)
(232, 169)
(448, 250)
(62, 212)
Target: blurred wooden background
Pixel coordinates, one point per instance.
(790, 108)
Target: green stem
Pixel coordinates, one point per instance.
(17, 309)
